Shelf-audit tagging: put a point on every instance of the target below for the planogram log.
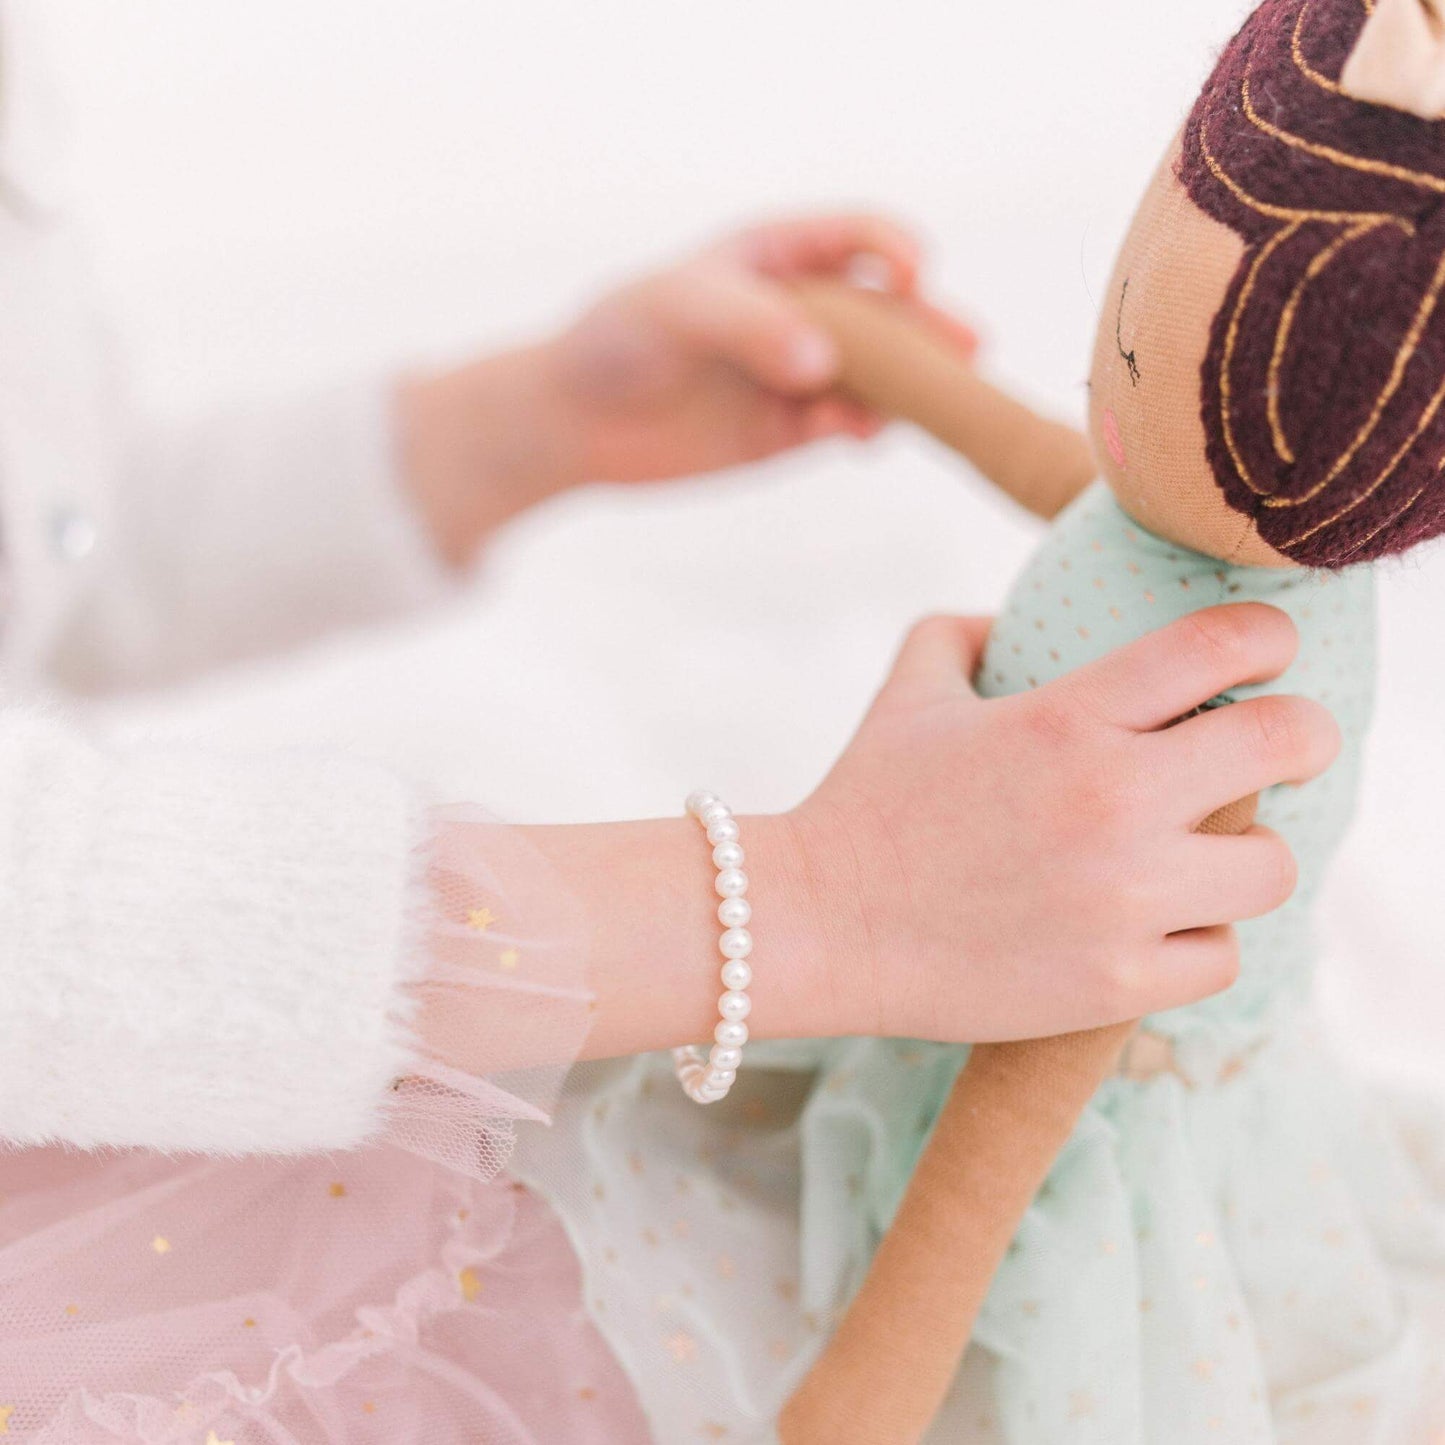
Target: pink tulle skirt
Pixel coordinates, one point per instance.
(370, 1297)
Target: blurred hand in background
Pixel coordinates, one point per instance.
(699, 366)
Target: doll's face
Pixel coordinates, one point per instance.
(1169, 282)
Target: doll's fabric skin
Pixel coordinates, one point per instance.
(1219, 1253)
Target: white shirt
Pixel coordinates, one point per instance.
(197, 950)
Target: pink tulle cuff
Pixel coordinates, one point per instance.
(499, 1005)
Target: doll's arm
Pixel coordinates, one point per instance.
(893, 362)
(886, 1371)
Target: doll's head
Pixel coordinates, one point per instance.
(1269, 376)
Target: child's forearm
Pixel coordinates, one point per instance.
(482, 443)
(899, 366)
(647, 918)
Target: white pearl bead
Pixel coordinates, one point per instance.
(699, 800)
(735, 1005)
(736, 943)
(734, 912)
(708, 1080)
(730, 1034)
(732, 883)
(736, 974)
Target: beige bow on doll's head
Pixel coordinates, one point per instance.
(1399, 60)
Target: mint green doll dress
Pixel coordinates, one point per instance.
(1240, 1244)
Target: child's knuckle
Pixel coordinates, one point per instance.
(1219, 636)
(1279, 732)
(1048, 722)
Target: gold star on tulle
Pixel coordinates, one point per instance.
(161, 1244)
(337, 1190)
(508, 959)
(471, 1284)
(480, 919)
(213, 1439)
(6, 1411)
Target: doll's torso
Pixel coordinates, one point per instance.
(1098, 582)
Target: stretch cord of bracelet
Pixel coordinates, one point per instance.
(706, 1078)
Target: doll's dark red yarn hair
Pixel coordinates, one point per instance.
(1323, 391)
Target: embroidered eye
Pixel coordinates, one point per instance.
(1130, 360)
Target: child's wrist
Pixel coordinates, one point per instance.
(484, 442)
(814, 973)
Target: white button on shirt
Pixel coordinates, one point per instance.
(72, 534)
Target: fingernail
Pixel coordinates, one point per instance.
(873, 273)
(813, 356)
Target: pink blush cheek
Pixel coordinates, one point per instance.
(1113, 442)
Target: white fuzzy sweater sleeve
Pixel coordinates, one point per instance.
(245, 533)
(197, 950)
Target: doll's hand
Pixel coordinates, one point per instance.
(712, 362)
(1027, 866)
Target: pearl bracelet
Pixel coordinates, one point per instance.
(707, 1079)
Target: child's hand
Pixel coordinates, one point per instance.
(1028, 866)
(711, 362)
(703, 365)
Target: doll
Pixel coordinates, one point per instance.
(1209, 1255)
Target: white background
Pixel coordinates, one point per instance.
(295, 189)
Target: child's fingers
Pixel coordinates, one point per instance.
(751, 323)
(1169, 673)
(1234, 752)
(838, 416)
(1193, 965)
(1231, 879)
(830, 245)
